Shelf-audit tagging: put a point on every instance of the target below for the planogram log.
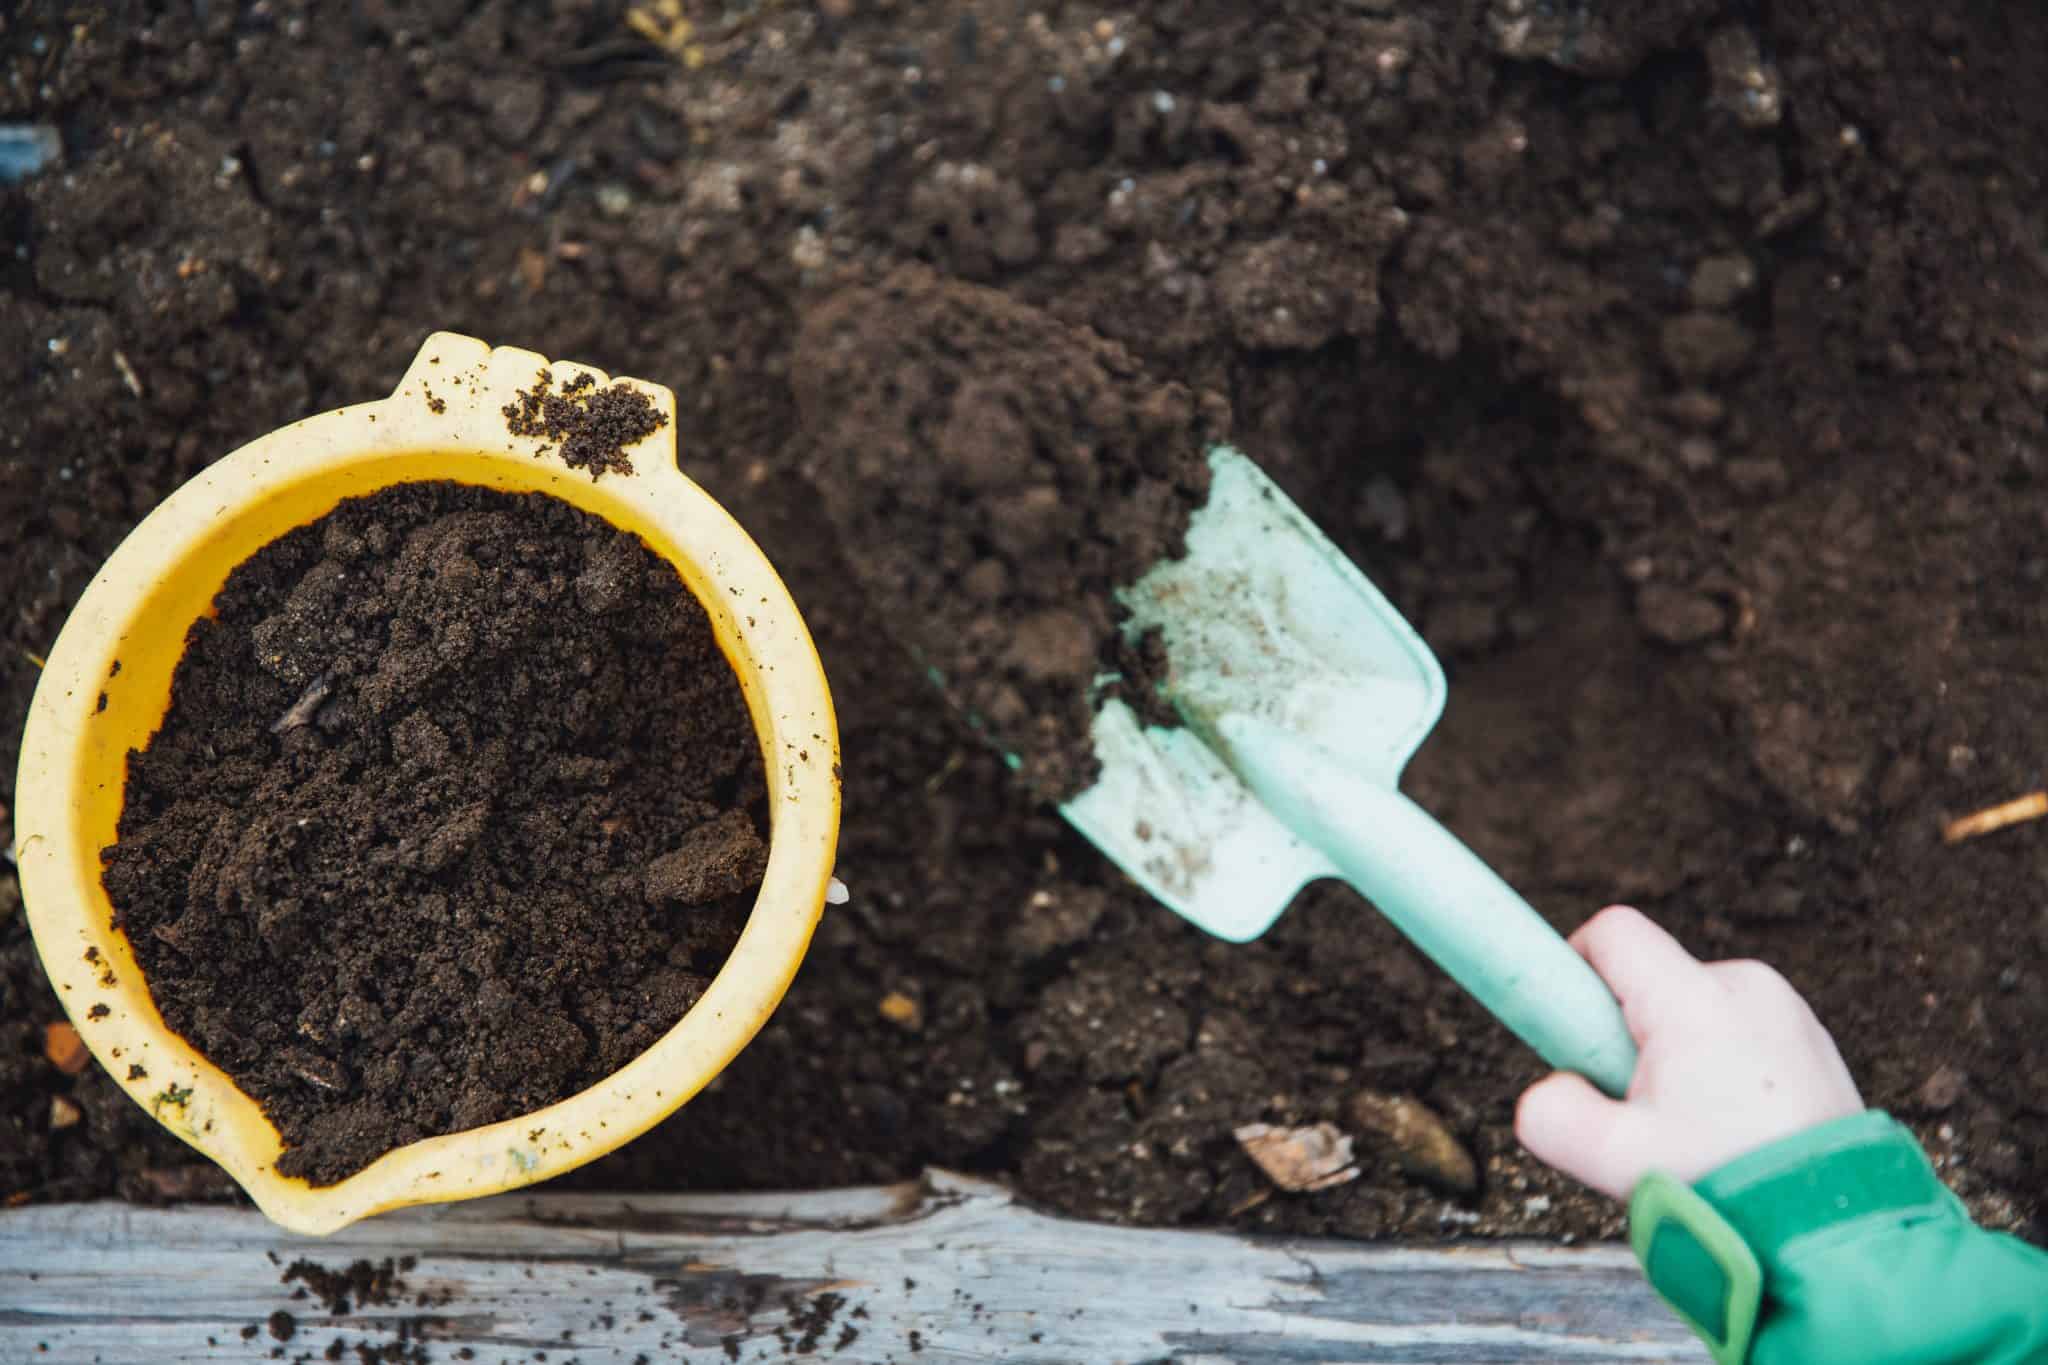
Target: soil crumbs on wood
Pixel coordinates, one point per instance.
(361, 1285)
(1676, 367)
(454, 812)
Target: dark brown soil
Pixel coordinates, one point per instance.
(1677, 366)
(591, 426)
(1002, 474)
(448, 820)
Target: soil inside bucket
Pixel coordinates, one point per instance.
(457, 808)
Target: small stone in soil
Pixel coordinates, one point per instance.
(1422, 1142)
(1941, 1089)
(65, 1049)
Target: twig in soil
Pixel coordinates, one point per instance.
(128, 375)
(938, 779)
(1250, 1202)
(301, 712)
(2018, 811)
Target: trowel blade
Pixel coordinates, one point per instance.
(1263, 616)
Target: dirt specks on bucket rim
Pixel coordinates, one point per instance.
(590, 426)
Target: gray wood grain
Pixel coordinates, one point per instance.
(934, 1272)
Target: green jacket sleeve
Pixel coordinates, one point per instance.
(1840, 1244)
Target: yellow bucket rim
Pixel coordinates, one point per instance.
(105, 689)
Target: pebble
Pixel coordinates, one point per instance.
(63, 1113)
(1941, 1089)
(1678, 616)
(1052, 644)
(807, 251)
(26, 148)
(1719, 281)
(514, 105)
(901, 1010)
(1053, 920)
(1744, 83)
(65, 1049)
(1421, 1140)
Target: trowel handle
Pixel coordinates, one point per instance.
(1450, 904)
(1457, 910)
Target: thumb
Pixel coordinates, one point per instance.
(1567, 1124)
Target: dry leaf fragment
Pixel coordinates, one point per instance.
(1300, 1160)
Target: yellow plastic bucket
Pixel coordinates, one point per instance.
(106, 687)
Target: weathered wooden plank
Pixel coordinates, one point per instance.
(944, 1271)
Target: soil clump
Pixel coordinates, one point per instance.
(1001, 475)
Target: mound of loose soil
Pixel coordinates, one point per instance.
(998, 475)
(454, 812)
(1677, 366)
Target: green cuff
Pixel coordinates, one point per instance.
(1698, 1264)
(1708, 1248)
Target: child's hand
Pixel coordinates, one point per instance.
(1731, 1059)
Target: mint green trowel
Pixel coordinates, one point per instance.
(1302, 695)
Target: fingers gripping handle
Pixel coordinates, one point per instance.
(1447, 901)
